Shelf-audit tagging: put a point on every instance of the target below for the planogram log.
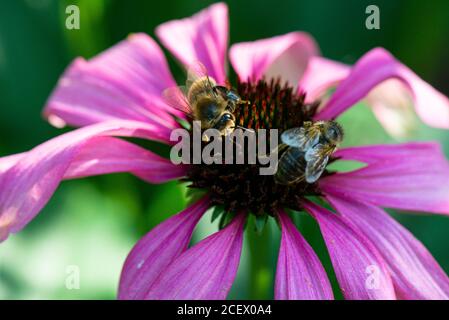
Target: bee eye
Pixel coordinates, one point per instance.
(226, 117)
(332, 134)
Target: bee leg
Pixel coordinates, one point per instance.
(307, 124)
(231, 107)
(205, 137)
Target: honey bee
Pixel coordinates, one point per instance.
(203, 100)
(306, 151)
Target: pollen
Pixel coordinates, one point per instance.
(240, 187)
(273, 105)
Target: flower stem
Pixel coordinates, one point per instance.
(262, 260)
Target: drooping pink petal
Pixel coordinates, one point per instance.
(157, 249)
(299, 273)
(284, 56)
(372, 69)
(322, 74)
(8, 161)
(360, 269)
(206, 271)
(383, 153)
(415, 273)
(125, 82)
(392, 105)
(103, 155)
(411, 176)
(29, 183)
(202, 37)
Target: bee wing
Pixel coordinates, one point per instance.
(317, 158)
(299, 137)
(294, 137)
(197, 71)
(175, 97)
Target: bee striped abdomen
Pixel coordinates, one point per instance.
(291, 166)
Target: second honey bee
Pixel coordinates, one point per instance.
(203, 100)
(306, 151)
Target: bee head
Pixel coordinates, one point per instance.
(231, 98)
(231, 95)
(334, 132)
(226, 93)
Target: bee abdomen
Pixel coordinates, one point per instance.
(291, 167)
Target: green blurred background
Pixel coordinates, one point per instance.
(93, 223)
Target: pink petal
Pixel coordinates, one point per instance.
(8, 161)
(376, 154)
(299, 273)
(103, 155)
(206, 271)
(157, 249)
(377, 66)
(125, 82)
(321, 75)
(29, 183)
(411, 176)
(415, 273)
(360, 270)
(393, 107)
(202, 37)
(283, 56)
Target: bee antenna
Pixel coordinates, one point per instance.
(245, 102)
(211, 86)
(240, 127)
